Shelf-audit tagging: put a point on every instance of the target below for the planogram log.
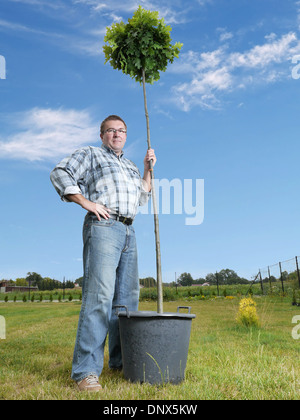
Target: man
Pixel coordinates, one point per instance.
(109, 186)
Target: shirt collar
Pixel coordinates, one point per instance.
(108, 149)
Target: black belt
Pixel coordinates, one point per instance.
(125, 220)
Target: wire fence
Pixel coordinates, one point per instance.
(283, 277)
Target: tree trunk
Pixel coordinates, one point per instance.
(156, 223)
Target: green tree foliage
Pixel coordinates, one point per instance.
(185, 279)
(21, 282)
(35, 279)
(225, 276)
(143, 43)
(148, 282)
(79, 281)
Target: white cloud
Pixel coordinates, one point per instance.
(90, 18)
(48, 134)
(260, 56)
(193, 62)
(204, 2)
(41, 3)
(16, 27)
(225, 36)
(221, 71)
(172, 10)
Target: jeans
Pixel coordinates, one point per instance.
(110, 279)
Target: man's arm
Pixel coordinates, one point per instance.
(66, 175)
(147, 171)
(88, 205)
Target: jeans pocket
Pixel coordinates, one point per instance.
(103, 222)
(91, 219)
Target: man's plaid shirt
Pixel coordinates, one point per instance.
(102, 177)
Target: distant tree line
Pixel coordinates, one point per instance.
(222, 277)
(148, 282)
(225, 276)
(43, 283)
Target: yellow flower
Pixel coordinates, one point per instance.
(247, 314)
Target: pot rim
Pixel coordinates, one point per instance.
(153, 314)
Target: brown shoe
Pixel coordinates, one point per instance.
(90, 383)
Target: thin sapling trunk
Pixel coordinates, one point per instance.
(156, 222)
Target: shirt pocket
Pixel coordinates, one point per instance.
(105, 175)
(134, 176)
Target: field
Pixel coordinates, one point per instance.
(226, 361)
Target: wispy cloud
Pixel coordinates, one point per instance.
(47, 134)
(41, 3)
(171, 11)
(82, 23)
(174, 12)
(204, 2)
(224, 34)
(88, 42)
(222, 71)
(6, 25)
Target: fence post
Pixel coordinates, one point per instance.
(261, 283)
(298, 274)
(270, 279)
(29, 288)
(217, 278)
(281, 277)
(251, 284)
(64, 289)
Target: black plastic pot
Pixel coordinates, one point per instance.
(155, 346)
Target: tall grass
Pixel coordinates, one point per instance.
(226, 360)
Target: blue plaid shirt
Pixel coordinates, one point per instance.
(102, 177)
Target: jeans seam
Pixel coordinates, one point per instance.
(84, 298)
(127, 240)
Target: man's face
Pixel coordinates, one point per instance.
(115, 140)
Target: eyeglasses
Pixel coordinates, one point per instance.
(113, 130)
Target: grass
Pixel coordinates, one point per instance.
(226, 361)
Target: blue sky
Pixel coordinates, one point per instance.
(227, 112)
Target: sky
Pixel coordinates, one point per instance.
(224, 122)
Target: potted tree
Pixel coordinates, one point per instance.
(142, 49)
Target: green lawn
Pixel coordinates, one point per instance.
(226, 361)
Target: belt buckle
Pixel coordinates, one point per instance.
(124, 220)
